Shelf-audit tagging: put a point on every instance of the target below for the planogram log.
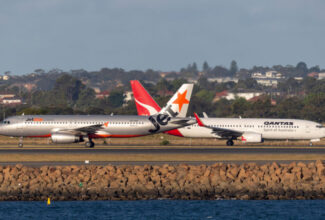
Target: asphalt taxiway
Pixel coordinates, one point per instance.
(166, 150)
(39, 155)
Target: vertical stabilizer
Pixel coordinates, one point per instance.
(146, 105)
(178, 104)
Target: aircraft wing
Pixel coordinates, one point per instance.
(225, 133)
(89, 129)
(221, 132)
(181, 121)
(92, 129)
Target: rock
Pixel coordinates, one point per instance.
(320, 168)
(301, 164)
(234, 171)
(242, 174)
(19, 166)
(288, 177)
(247, 181)
(307, 175)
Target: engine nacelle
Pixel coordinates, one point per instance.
(252, 137)
(60, 138)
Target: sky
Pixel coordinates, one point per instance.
(159, 34)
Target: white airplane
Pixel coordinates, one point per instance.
(249, 130)
(63, 129)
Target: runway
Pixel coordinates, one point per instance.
(167, 150)
(54, 155)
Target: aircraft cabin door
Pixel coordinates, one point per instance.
(20, 125)
(307, 129)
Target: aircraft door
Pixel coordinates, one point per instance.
(20, 126)
(307, 129)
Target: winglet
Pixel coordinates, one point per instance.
(199, 122)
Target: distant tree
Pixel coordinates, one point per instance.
(218, 71)
(7, 73)
(205, 95)
(205, 67)
(39, 71)
(233, 68)
(163, 85)
(194, 68)
(249, 83)
(239, 106)
(314, 69)
(86, 99)
(301, 69)
(177, 83)
(116, 98)
(68, 88)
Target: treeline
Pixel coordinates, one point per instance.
(70, 95)
(58, 92)
(110, 78)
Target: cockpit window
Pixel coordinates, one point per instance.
(6, 122)
(319, 126)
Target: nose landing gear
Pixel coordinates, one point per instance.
(20, 144)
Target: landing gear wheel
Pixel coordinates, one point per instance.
(230, 143)
(90, 144)
(20, 144)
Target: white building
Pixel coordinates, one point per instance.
(231, 95)
(223, 79)
(5, 77)
(11, 101)
(321, 75)
(128, 96)
(268, 75)
(267, 82)
(245, 95)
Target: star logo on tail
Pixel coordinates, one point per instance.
(181, 100)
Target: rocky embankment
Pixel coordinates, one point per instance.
(126, 182)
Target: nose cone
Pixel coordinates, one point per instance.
(4, 129)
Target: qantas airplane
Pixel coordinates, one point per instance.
(63, 129)
(252, 130)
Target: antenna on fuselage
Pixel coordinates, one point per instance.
(239, 117)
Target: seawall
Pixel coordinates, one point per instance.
(127, 182)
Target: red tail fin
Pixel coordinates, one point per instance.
(144, 102)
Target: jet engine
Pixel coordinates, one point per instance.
(252, 137)
(60, 138)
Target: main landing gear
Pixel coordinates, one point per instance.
(89, 143)
(230, 142)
